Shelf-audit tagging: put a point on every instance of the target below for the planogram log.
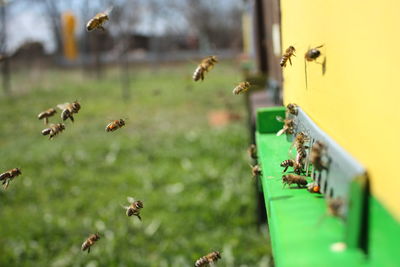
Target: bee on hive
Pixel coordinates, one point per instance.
(297, 168)
(252, 151)
(290, 179)
(288, 126)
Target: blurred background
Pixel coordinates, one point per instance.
(182, 152)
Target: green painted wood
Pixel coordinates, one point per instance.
(266, 119)
(301, 232)
(357, 216)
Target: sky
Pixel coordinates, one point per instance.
(26, 20)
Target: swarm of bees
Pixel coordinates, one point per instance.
(7, 176)
(114, 125)
(90, 241)
(241, 88)
(208, 259)
(205, 66)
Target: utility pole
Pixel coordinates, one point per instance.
(3, 48)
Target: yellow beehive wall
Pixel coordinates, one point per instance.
(357, 101)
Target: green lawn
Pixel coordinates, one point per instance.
(194, 179)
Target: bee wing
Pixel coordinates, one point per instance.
(109, 10)
(125, 207)
(130, 199)
(280, 132)
(63, 106)
(280, 119)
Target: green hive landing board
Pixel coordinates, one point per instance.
(301, 234)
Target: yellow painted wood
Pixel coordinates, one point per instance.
(357, 101)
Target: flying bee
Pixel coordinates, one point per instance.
(205, 65)
(255, 170)
(313, 53)
(291, 109)
(288, 126)
(208, 259)
(241, 88)
(97, 21)
(134, 208)
(313, 187)
(7, 176)
(316, 156)
(68, 109)
(47, 114)
(289, 179)
(53, 130)
(114, 125)
(286, 56)
(90, 242)
(252, 151)
(297, 168)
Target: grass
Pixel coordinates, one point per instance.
(193, 178)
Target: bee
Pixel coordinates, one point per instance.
(297, 168)
(47, 114)
(241, 88)
(290, 179)
(54, 129)
(291, 109)
(313, 53)
(252, 151)
(335, 207)
(298, 143)
(316, 156)
(287, 126)
(286, 56)
(68, 109)
(205, 65)
(7, 176)
(134, 208)
(115, 125)
(255, 170)
(208, 259)
(313, 187)
(97, 21)
(90, 242)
